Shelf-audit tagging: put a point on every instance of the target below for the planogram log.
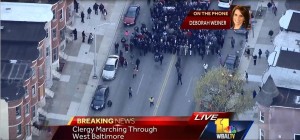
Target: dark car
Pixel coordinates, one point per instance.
(100, 97)
(231, 63)
(131, 15)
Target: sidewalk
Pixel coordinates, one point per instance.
(76, 86)
(261, 40)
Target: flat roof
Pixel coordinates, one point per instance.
(23, 31)
(290, 21)
(289, 59)
(287, 98)
(19, 51)
(33, 12)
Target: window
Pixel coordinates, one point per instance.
(41, 71)
(61, 14)
(27, 109)
(33, 111)
(40, 52)
(296, 136)
(54, 17)
(55, 54)
(27, 130)
(26, 91)
(261, 134)
(18, 111)
(19, 130)
(62, 34)
(262, 116)
(54, 33)
(47, 33)
(48, 51)
(33, 90)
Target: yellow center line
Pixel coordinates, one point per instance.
(164, 85)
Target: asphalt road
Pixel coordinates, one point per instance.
(159, 81)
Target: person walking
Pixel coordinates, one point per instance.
(248, 53)
(130, 92)
(246, 35)
(125, 64)
(95, 7)
(232, 42)
(254, 94)
(82, 17)
(274, 9)
(267, 53)
(101, 7)
(137, 63)
(151, 100)
(177, 65)
(271, 34)
(246, 76)
(259, 53)
(83, 36)
(161, 57)
(76, 6)
(134, 72)
(122, 59)
(104, 14)
(116, 48)
(179, 78)
(90, 39)
(205, 66)
(109, 103)
(75, 34)
(254, 59)
(89, 11)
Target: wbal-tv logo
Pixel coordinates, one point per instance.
(224, 130)
(219, 126)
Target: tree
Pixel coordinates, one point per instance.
(220, 91)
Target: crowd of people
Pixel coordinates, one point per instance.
(165, 35)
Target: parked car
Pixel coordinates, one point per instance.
(131, 15)
(110, 68)
(100, 97)
(225, 3)
(231, 63)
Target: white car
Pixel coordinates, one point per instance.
(110, 68)
(225, 3)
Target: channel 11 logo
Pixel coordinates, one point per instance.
(224, 130)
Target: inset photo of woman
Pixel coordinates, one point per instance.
(240, 17)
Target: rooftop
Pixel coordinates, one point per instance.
(287, 98)
(22, 31)
(289, 59)
(12, 76)
(17, 11)
(290, 21)
(287, 41)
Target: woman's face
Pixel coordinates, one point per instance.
(238, 18)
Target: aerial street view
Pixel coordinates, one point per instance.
(99, 58)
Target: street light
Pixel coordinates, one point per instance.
(95, 50)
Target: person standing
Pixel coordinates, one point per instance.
(137, 63)
(267, 53)
(75, 34)
(90, 39)
(89, 11)
(254, 94)
(122, 59)
(76, 6)
(83, 36)
(179, 78)
(161, 57)
(116, 48)
(95, 7)
(254, 59)
(246, 76)
(232, 42)
(130, 92)
(246, 36)
(259, 53)
(151, 100)
(101, 7)
(205, 66)
(274, 9)
(82, 17)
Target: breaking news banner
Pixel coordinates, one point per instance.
(237, 18)
(200, 125)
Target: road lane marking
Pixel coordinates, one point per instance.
(137, 92)
(164, 85)
(187, 91)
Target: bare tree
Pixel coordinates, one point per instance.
(219, 90)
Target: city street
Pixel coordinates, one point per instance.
(159, 81)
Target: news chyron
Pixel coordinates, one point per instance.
(200, 125)
(239, 17)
